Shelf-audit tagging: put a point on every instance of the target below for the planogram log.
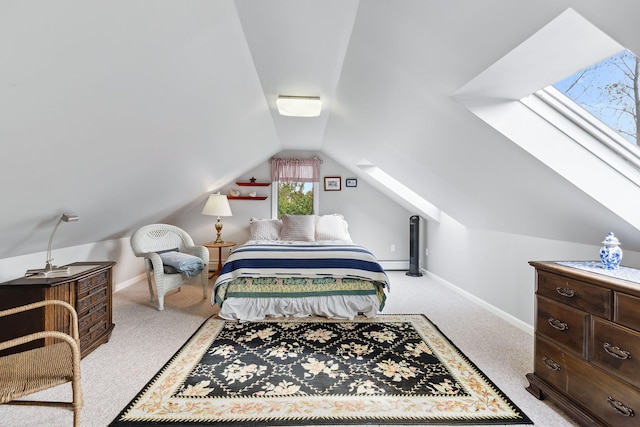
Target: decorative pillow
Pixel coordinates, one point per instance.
(265, 229)
(298, 227)
(332, 227)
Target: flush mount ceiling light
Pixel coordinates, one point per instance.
(299, 106)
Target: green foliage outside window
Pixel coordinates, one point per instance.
(295, 198)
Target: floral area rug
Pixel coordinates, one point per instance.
(392, 369)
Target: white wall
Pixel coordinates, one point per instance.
(127, 268)
(494, 266)
(375, 221)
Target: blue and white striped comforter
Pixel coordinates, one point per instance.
(302, 259)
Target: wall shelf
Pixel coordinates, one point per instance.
(253, 184)
(246, 198)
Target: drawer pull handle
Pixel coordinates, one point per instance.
(619, 407)
(550, 364)
(566, 292)
(616, 351)
(555, 323)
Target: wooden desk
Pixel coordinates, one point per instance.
(88, 288)
(213, 245)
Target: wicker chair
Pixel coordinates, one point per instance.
(41, 368)
(148, 240)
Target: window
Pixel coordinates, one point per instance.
(294, 188)
(609, 91)
(507, 96)
(295, 198)
(602, 100)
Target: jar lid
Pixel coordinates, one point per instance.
(611, 240)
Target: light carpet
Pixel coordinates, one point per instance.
(393, 369)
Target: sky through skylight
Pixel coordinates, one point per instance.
(609, 91)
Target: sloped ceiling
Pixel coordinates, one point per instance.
(126, 111)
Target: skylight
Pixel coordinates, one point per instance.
(547, 124)
(609, 91)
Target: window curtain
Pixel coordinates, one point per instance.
(295, 170)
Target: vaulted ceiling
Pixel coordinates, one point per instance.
(127, 111)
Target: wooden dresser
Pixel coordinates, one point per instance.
(587, 342)
(88, 287)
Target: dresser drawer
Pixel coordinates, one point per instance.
(583, 296)
(92, 333)
(564, 325)
(616, 349)
(626, 310)
(550, 363)
(84, 285)
(93, 297)
(610, 399)
(92, 316)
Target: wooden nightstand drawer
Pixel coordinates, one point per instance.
(613, 401)
(626, 310)
(583, 296)
(564, 325)
(616, 349)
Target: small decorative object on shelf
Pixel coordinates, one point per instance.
(252, 179)
(253, 194)
(234, 192)
(610, 253)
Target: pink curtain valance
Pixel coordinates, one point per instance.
(295, 170)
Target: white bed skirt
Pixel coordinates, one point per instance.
(334, 306)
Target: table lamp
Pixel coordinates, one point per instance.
(217, 205)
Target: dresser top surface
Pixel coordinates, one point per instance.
(623, 278)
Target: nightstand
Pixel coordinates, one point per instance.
(213, 245)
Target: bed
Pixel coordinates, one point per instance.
(302, 265)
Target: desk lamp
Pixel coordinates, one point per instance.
(49, 268)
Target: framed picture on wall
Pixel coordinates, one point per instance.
(332, 183)
(351, 182)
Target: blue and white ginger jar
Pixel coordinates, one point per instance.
(610, 253)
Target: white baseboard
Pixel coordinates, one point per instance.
(493, 309)
(120, 286)
(394, 265)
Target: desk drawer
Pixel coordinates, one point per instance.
(583, 296)
(562, 324)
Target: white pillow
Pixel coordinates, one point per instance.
(265, 229)
(332, 227)
(298, 227)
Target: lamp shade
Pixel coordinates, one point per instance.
(217, 205)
